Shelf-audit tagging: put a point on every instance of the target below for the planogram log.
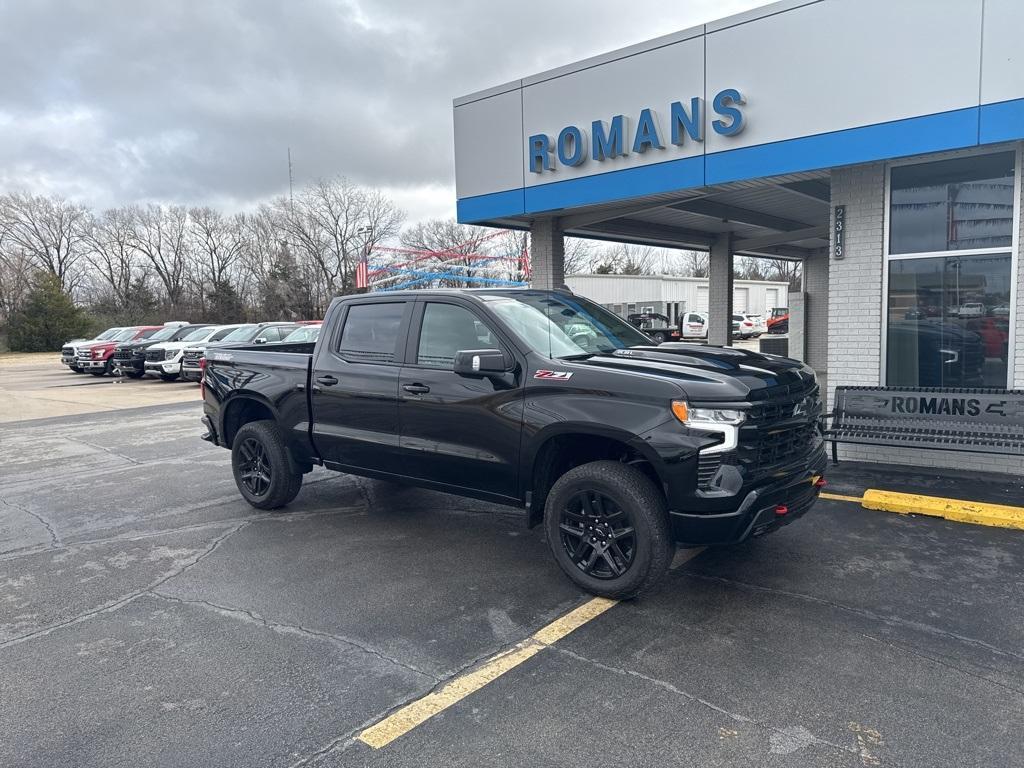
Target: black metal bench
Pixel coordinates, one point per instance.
(973, 420)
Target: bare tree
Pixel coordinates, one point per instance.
(446, 247)
(627, 259)
(330, 223)
(110, 251)
(50, 231)
(217, 240)
(160, 234)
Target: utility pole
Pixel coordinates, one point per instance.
(291, 182)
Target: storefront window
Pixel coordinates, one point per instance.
(952, 205)
(949, 321)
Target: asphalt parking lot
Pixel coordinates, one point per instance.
(150, 617)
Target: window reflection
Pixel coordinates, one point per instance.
(949, 321)
(952, 205)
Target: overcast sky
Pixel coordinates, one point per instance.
(197, 101)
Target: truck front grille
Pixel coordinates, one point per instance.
(123, 354)
(781, 431)
(85, 354)
(154, 355)
(192, 356)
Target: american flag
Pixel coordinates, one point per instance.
(363, 272)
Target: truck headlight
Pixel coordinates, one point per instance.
(692, 416)
(723, 421)
(97, 353)
(170, 354)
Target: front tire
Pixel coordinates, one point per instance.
(133, 374)
(168, 376)
(104, 371)
(261, 466)
(607, 526)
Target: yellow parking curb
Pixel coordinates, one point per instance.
(1000, 515)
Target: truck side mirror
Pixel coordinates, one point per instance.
(478, 363)
(260, 340)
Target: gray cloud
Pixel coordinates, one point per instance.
(115, 101)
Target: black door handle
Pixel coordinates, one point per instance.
(416, 389)
(327, 381)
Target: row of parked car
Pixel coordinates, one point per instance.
(173, 350)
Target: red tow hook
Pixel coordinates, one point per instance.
(781, 510)
(821, 482)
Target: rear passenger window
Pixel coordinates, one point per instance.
(221, 334)
(275, 332)
(447, 329)
(370, 334)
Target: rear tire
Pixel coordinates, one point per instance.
(660, 338)
(262, 468)
(607, 526)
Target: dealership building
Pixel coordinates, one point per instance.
(879, 143)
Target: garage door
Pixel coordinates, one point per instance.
(702, 298)
(740, 300)
(773, 299)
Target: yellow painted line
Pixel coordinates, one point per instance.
(1000, 515)
(421, 710)
(840, 497)
(408, 717)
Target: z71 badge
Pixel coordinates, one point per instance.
(560, 375)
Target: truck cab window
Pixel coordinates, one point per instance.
(446, 329)
(370, 334)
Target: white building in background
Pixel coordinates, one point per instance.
(671, 296)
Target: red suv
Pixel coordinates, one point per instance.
(98, 358)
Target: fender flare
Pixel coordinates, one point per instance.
(536, 444)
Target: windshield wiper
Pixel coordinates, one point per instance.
(580, 356)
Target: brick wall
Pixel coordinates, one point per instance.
(547, 254)
(855, 318)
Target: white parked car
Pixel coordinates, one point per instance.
(746, 326)
(972, 309)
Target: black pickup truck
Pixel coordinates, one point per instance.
(539, 399)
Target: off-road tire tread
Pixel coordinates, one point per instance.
(285, 481)
(646, 507)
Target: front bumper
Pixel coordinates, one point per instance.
(191, 373)
(163, 366)
(759, 513)
(133, 364)
(91, 365)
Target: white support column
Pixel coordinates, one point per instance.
(720, 291)
(547, 254)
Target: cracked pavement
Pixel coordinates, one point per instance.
(148, 616)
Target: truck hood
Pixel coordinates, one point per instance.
(711, 373)
(97, 344)
(174, 345)
(136, 345)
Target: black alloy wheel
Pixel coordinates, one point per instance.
(608, 529)
(254, 470)
(597, 534)
(260, 461)
(660, 338)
